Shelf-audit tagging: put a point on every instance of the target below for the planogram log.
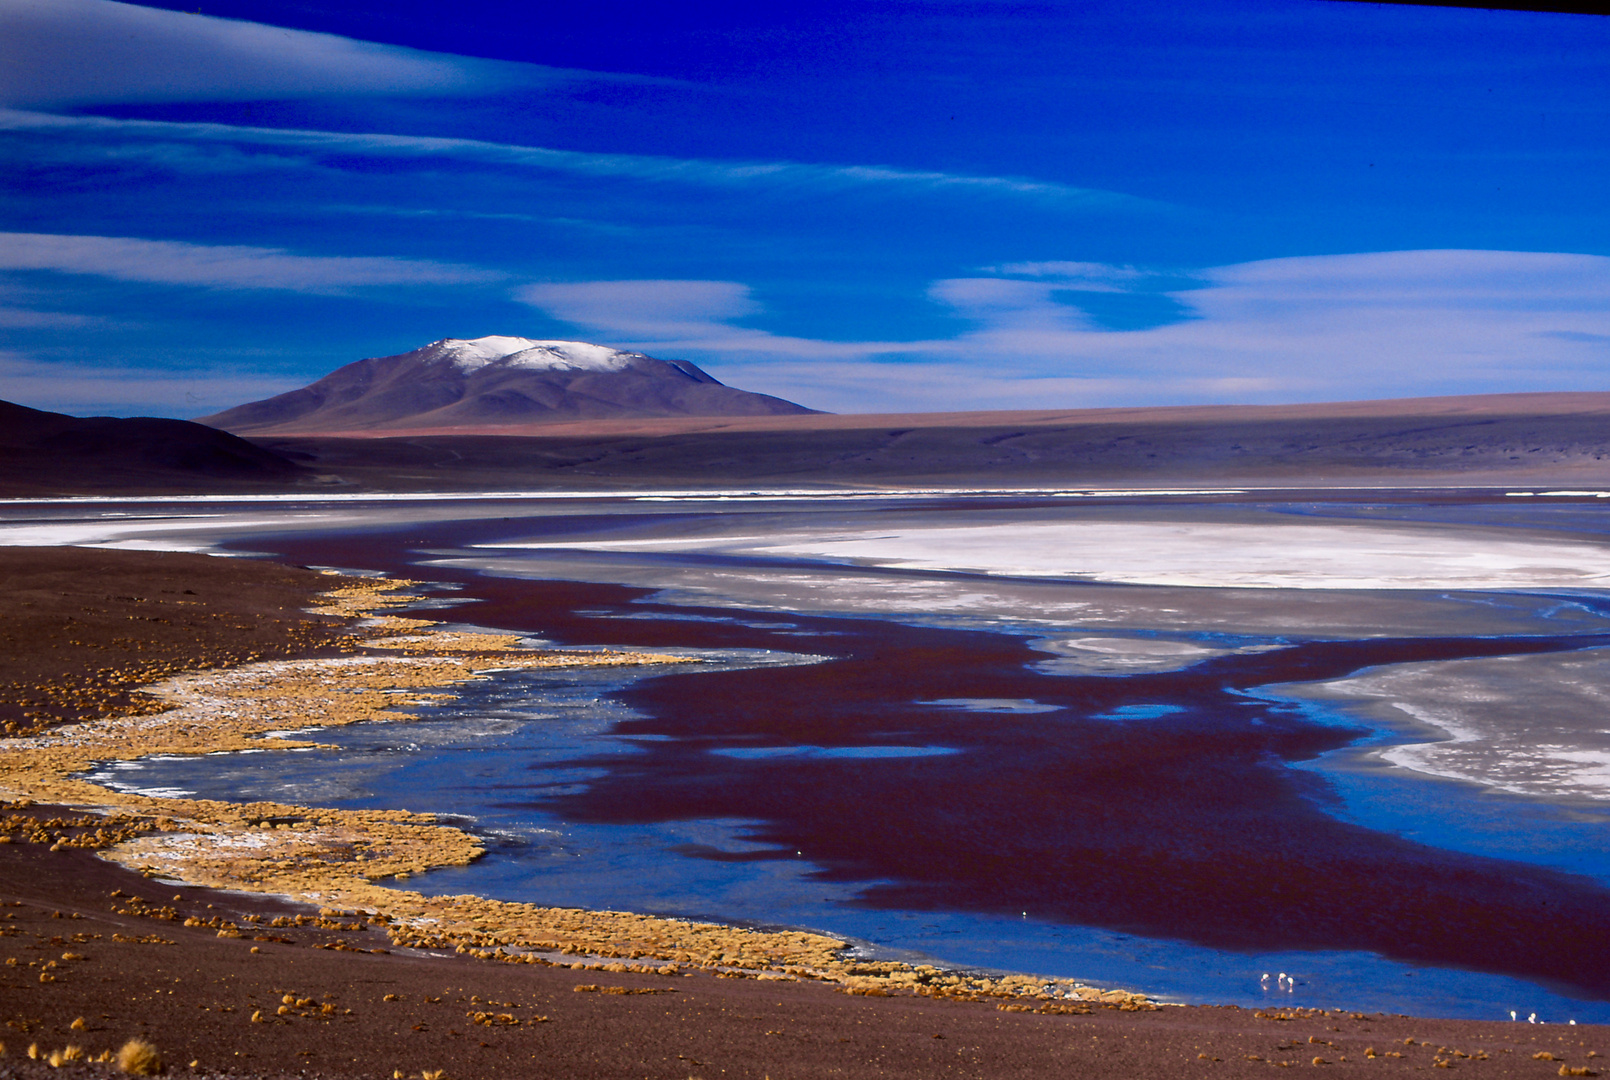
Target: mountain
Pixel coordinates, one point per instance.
(494, 383)
(44, 453)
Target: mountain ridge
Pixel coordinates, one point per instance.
(466, 383)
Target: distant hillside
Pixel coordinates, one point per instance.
(1555, 439)
(492, 382)
(1549, 440)
(46, 453)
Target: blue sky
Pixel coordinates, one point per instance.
(862, 206)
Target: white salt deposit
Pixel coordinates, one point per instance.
(164, 534)
(1127, 656)
(1272, 555)
(1529, 725)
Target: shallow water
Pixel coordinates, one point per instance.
(1100, 781)
(523, 739)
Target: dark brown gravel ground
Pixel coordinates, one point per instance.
(80, 628)
(133, 970)
(194, 995)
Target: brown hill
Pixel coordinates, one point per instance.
(495, 381)
(45, 453)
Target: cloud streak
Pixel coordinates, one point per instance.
(658, 310)
(778, 177)
(57, 53)
(169, 262)
(694, 316)
(1403, 322)
(1397, 323)
(1086, 276)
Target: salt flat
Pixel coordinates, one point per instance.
(1263, 555)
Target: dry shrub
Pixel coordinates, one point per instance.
(139, 1058)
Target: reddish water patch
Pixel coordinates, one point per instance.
(1184, 826)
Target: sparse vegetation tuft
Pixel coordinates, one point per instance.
(139, 1058)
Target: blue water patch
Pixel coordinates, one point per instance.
(1139, 712)
(1454, 815)
(1458, 816)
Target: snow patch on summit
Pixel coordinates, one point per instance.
(532, 355)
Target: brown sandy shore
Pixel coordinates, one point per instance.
(228, 974)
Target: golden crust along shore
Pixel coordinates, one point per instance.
(342, 860)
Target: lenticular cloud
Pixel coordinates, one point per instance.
(234, 266)
(66, 52)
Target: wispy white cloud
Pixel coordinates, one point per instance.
(1007, 304)
(955, 385)
(684, 316)
(1321, 326)
(652, 310)
(1542, 281)
(1085, 276)
(170, 262)
(67, 52)
(1315, 328)
(173, 144)
(17, 318)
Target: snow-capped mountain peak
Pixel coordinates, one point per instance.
(492, 382)
(532, 355)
